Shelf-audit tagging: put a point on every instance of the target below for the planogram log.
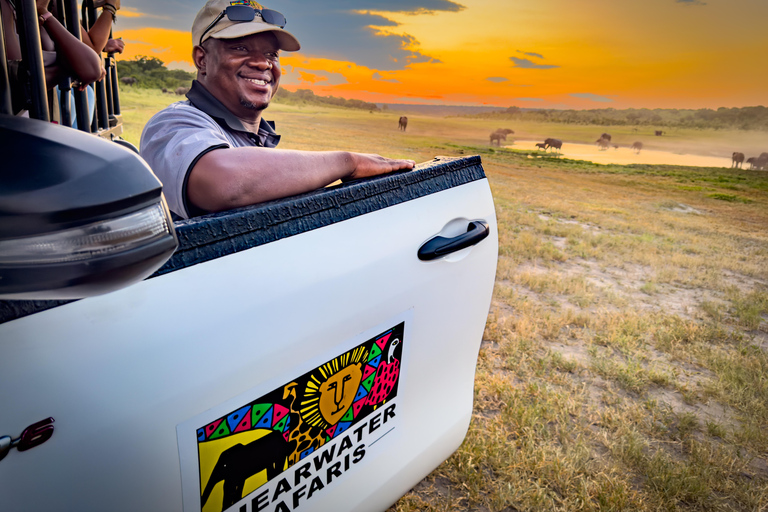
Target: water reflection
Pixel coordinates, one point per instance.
(625, 155)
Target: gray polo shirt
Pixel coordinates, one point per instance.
(179, 135)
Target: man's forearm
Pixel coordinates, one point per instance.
(230, 178)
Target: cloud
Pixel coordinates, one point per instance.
(529, 99)
(344, 30)
(592, 97)
(529, 64)
(531, 54)
(497, 79)
(176, 46)
(298, 76)
(377, 76)
(185, 66)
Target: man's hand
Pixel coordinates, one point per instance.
(114, 46)
(367, 165)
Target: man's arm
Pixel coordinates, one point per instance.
(230, 178)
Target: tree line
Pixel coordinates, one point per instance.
(151, 73)
(305, 96)
(744, 118)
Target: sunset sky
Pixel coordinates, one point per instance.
(532, 53)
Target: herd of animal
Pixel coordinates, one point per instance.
(756, 163)
(604, 142)
(179, 91)
(759, 163)
(554, 144)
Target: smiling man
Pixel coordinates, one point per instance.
(214, 151)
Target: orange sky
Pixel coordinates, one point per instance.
(543, 53)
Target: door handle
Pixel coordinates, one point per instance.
(440, 246)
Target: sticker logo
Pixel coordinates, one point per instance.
(325, 415)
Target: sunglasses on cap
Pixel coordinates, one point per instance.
(242, 13)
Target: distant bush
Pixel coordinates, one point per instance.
(305, 96)
(151, 73)
(745, 118)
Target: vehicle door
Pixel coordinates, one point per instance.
(317, 352)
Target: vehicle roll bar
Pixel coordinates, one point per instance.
(107, 122)
(32, 53)
(6, 107)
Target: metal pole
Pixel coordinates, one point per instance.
(29, 35)
(101, 119)
(81, 99)
(65, 84)
(115, 89)
(6, 105)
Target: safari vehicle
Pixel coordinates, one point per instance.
(313, 353)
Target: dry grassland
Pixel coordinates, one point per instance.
(624, 364)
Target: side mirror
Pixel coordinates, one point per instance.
(79, 216)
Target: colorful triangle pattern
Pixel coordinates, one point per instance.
(234, 419)
(244, 425)
(265, 421)
(361, 392)
(381, 342)
(367, 383)
(357, 406)
(211, 427)
(258, 412)
(280, 413)
(341, 427)
(281, 425)
(222, 431)
(368, 370)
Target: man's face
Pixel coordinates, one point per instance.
(242, 73)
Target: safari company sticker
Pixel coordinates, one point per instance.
(285, 447)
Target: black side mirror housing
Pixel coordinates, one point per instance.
(79, 215)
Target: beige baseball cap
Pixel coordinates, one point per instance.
(228, 29)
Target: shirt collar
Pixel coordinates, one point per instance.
(203, 100)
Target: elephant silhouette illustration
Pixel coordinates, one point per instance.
(242, 461)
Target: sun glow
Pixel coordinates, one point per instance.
(552, 53)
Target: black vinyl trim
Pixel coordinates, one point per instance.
(215, 235)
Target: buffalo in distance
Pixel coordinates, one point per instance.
(500, 134)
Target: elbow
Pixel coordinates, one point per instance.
(219, 199)
(213, 192)
(92, 75)
(89, 70)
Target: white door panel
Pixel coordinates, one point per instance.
(120, 372)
